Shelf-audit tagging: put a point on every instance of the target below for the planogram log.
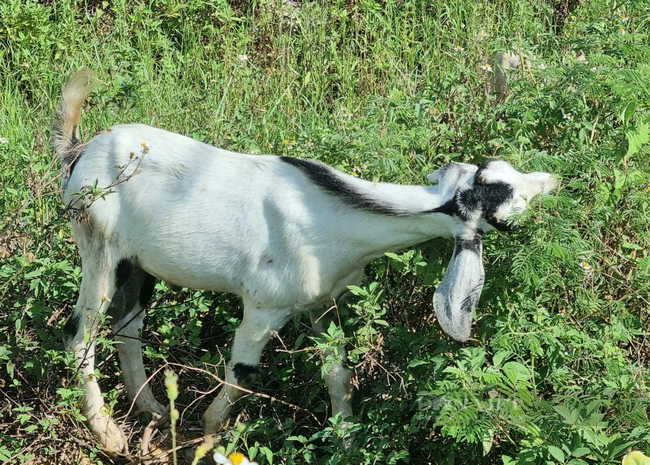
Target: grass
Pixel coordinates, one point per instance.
(557, 369)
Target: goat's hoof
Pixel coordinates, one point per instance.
(109, 434)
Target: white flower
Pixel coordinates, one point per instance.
(242, 57)
(568, 116)
(542, 66)
(346, 113)
(24, 64)
(459, 48)
(625, 18)
(4, 140)
(255, 152)
(482, 35)
(462, 25)
(622, 31)
(221, 459)
(487, 67)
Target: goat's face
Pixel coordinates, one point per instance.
(480, 199)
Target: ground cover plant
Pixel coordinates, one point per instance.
(556, 370)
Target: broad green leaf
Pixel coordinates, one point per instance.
(557, 453)
(637, 138)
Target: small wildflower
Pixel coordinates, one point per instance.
(487, 67)
(105, 299)
(228, 136)
(567, 116)
(221, 459)
(622, 31)
(286, 141)
(542, 66)
(462, 25)
(594, 69)
(24, 64)
(648, 186)
(236, 458)
(309, 144)
(482, 35)
(255, 152)
(346, 113)
(625, 18)
(271, 145)
(145, 147)
(4, 140)
(242, 57)
(356, 171)
(459, 48)
(213, 80)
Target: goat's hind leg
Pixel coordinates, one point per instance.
(128, 315)
(101, 276)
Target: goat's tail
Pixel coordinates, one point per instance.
(65, 127)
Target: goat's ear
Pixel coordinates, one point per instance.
(451, 175)
(456, 298)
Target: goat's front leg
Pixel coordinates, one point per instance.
(98, 284)
(250, 339)
(337, 376)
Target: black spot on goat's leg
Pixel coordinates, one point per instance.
(71, 327)
(146, 290)
(123, 271)
(244, 374)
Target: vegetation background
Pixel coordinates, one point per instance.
(557, 369)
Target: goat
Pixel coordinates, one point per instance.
(286, 234)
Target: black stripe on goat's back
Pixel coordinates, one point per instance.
(325, 178)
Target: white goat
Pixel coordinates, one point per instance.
(287, 235)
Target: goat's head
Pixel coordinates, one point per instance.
(481, 199)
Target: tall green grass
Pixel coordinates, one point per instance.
(557, 370)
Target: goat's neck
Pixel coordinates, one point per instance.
(371, 234)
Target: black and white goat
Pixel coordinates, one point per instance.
(287, 235)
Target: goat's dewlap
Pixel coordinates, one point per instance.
(285, 234)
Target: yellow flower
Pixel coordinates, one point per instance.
(482, 35)
(4, 140)
(24, 64)
(487, 67)
(459, 48)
